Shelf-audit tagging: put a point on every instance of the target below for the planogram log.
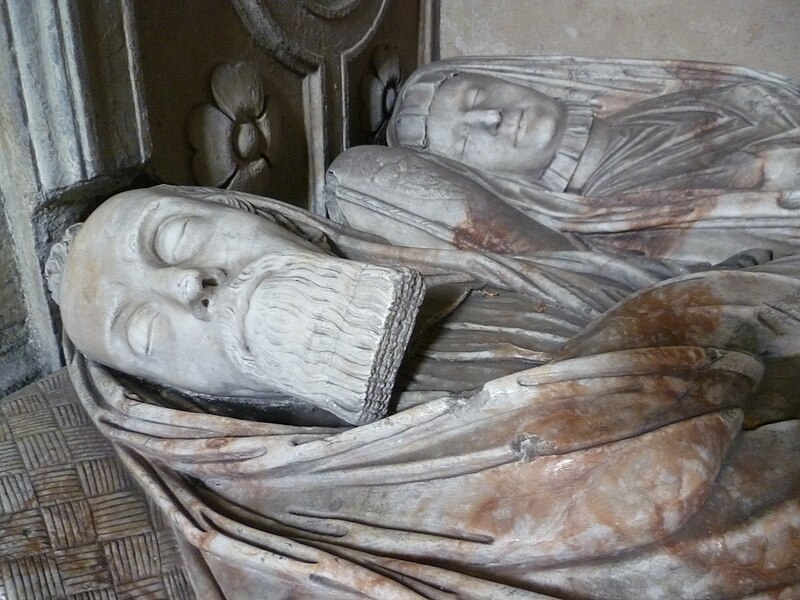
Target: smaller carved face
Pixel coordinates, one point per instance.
(494, 125)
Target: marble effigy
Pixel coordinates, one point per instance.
(546, 412)
(652, 157)
(612, 450)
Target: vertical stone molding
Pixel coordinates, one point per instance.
(72, 128)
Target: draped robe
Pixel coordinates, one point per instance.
(680, 153)
(617, 468)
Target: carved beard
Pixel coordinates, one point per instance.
(324, 329)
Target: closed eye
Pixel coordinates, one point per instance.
(140, 329)
(475, 98)
(464, 144)
(179, 238)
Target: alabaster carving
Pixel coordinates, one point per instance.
(566, 126)
(231, 139)
(689, 161)
(325, 44)
(213, 300)
(564, 423)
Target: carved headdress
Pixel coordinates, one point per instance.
(409, 127)
(673, 201)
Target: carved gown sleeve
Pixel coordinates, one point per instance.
(412, 201)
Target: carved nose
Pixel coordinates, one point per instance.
(189, 286)
(489, 118)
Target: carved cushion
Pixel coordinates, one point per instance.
(73, 524)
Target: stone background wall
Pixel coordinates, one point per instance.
(16, 346)
(763, 34)
(71, 133)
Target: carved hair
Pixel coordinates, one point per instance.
(57, 260)
(410, 121)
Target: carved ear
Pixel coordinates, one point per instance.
(56, 262)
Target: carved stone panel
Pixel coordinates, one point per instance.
(309, 61)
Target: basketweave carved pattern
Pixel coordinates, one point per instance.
(73, 524)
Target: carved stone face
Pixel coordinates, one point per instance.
(494, 125)
(211, 299)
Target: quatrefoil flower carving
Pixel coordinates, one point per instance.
(379, 89)
(231, 138)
